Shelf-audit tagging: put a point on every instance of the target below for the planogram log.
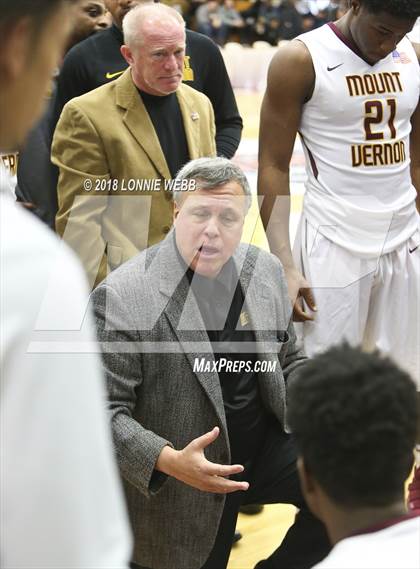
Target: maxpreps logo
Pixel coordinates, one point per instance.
(203, 365)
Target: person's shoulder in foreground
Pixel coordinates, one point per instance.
(61, 503)
(354, 418)
(383, 547)
(53, 391)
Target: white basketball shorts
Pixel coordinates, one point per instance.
(371, 302)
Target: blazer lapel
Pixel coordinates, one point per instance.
(258, 300)
(262, 314)
(191, 118)
(138, 122)
(185, 318)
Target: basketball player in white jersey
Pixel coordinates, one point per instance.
(352, 474)
(351, 89)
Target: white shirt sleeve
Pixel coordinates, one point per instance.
(60, 497)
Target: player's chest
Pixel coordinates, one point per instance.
(381, 93)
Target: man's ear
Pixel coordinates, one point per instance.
(308, 485)
(175, 211)
(355, 6)
(127, 54)
(15, 49)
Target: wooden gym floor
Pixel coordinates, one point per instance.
(262, 533)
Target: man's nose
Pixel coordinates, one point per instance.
(212, 228)
(171, 62)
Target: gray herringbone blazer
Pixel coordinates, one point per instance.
(151, 331)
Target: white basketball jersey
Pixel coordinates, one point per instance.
(396, 546)
(355, 133)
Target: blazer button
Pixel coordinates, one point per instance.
(166, 229)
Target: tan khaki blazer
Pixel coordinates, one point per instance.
(104, 146)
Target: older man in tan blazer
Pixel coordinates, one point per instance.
(117, 145)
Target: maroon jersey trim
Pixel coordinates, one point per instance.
(386, 524)
(349, 43)
(311, 158)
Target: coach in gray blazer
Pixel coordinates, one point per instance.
(180, 415)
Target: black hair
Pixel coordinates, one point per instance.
(397, 8)
(354, 416)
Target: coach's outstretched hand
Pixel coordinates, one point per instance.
(190, 466)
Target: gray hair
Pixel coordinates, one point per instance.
(212, 173)
(151, 12)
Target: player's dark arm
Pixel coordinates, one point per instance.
(415, 144)
(290, 83)
(219, 90)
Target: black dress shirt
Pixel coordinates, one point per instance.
(222, 305)
(165, 114)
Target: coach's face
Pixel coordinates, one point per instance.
(208, 227)
(157, 63)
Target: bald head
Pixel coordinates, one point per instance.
(149, 20)
(154, 36)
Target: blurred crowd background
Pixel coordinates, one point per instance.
(247, 21)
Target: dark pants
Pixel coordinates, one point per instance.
(273, 479)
